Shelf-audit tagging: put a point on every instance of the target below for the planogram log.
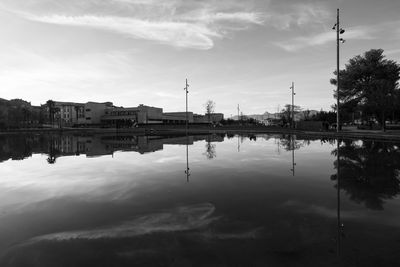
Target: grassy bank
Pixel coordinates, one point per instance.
(393, 135)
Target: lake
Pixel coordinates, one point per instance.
(203, 200)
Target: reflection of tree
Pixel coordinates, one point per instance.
(289, 142)
(369, 171)
(210, 150)
(53, 151)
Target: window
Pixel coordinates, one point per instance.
(88, 109)
(88, 118)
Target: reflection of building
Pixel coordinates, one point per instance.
(20, 147)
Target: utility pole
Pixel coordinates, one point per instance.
(293, 93)
(338, 40)
(238, 109)
(337, 69)
(187, 117)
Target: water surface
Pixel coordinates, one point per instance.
(257, 200)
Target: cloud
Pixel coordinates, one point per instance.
(179, 34)
(298, 43)
(177, 23)
(298, 15)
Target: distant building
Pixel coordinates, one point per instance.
(65, 113)
(177, 117)
(119, 116)
(208, 118)
(94, 112)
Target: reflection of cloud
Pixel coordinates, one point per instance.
(168, 159)
(248, 234)
(180, 219)
(320, 210)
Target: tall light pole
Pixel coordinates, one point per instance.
(293, 93)
(238, 112)
(338, 41)
(187, 117)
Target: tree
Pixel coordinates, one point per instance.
(369, 83)
(51, 109)
(210, 107)
(287, 112)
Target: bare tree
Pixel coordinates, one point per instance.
(210, 107)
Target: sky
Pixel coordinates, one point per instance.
(234, 52)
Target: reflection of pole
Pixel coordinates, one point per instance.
(187, 159)
(339, 226)
(238, 144)
(293, 147)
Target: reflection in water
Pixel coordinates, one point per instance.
(293, 145)
(137, 210)
(210, 147)
(369, 171)
(55, 146)
(187, 158)
(180, 219)
(210, 150)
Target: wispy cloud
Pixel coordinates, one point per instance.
(179, 34)
(177, 23)
(357, 33)
(298, 15)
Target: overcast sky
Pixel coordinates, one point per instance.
(234, 52)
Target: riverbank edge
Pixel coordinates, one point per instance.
(148, 130)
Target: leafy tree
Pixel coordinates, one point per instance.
(369, 83)
(287, 112)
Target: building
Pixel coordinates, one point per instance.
(130, 116)
(208, 118)
(94, 112)
(177, 117)
(64, 113)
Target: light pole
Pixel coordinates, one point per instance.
(293, 93)
(338, 41)
(238, 109)
(187, 118)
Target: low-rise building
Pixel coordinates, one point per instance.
(177, 117)
(94, 112)
(208, 118)
(120, 116)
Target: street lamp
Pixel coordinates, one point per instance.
(338, 41)
(293, 94)
(187, 118)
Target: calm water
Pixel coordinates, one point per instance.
(219, 201)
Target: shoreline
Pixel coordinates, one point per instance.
(389, 135)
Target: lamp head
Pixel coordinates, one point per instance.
(341, 31)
